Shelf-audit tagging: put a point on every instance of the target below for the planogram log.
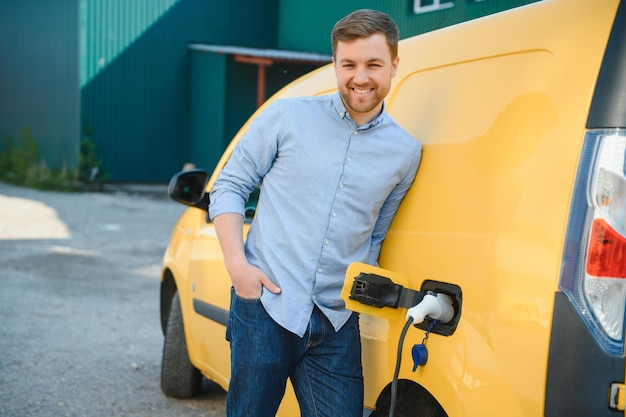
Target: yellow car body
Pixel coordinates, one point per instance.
(502, 106)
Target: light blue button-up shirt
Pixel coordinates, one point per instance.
(329, 192)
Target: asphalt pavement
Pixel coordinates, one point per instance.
(79, 304)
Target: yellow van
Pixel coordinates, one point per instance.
(517, 215)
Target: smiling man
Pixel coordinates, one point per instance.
(364, 79)
(334, 171)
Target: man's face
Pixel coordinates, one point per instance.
(364, 70)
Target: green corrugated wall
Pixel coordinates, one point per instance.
(135, 97)
(108, 27)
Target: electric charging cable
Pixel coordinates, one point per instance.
(438, 307)
(394, 382)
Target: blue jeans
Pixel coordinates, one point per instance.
(324, 366)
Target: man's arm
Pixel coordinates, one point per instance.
(247, 279)
(390, 207)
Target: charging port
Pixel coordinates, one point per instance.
(375, 290)
(379, 291)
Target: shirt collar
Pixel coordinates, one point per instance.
(344, 114)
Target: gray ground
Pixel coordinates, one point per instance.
(79, 305)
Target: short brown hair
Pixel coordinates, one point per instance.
(364, 23)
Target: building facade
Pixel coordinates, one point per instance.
(159, 83)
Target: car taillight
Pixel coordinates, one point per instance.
(594, 266)
(606, 249)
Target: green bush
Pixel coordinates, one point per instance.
(20, 165)
(90, 167)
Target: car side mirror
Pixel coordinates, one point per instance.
(188, 188)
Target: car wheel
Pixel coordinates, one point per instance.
(179, 378)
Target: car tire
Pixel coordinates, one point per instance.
(179, 378)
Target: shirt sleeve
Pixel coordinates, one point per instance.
(391, 205)
(251, 159)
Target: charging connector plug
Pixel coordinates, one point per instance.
(437, 306)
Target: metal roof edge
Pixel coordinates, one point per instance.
(276, 54)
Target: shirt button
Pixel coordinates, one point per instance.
(327, 242)
(341, 186)
(320, 270)
(349, 159)
(334, 214)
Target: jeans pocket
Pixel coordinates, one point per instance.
(247, 300)
(236, 296)
(244, 312)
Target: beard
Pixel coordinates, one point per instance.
(358, 104)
